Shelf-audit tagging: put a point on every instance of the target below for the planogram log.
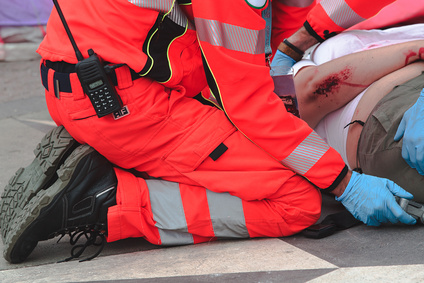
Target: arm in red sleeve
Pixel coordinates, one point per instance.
(330, 17)
(231, 36)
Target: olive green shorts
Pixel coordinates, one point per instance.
(378, 153)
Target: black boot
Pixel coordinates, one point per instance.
(77, 201)
(50, 153)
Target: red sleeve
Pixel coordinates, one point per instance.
(330, 17)
(231, 36)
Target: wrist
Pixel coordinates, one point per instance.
(290, 50)
(336, 184)
(341, 187)
(302, 39)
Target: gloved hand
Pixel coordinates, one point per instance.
(281, 64)
(411, 129)
(371, 200)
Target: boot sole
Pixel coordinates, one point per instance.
(19, 244)
(50, 153)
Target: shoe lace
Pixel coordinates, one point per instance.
(91, 236)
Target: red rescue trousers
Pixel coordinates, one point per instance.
(243, 193)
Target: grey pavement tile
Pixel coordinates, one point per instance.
(16, 108)
(295, 276)
(17, 143)
(52, 251)
(367, 246)
(363, 245)
(392, 273)
(222, 257)
(20, 81)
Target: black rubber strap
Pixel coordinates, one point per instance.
(312, 32)
(294, 48)
(337, 181)
(362, 123)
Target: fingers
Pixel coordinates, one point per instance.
(400, 131)
(399, 215)
(419, 159)
(405, 156)
(395, 213)
(414, 157)
(405, 218)
(398, 191)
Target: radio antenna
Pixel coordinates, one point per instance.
(68, 31)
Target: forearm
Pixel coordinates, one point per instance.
(358, 70)
(302, 39)
(339, 190)
(324, 88)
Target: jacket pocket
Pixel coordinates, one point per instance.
(199, 143)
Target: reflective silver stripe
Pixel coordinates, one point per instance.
(297, 3)
(160, 5)
(176, 14)
(227, 215)
(175, 238)
(340, 13)
(168, 212)
(230, 36)
(306, 154)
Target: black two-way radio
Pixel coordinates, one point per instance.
(93, 77)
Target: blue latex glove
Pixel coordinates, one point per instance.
(411, 129)
(371, 200)
(281, 64)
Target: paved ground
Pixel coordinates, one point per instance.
(359, 254)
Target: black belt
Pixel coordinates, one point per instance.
(63, 69)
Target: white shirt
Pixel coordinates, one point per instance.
(331, 127)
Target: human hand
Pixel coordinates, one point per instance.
(371, 200)
(281, 64)
(411, 129)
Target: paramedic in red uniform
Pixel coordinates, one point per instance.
(238, 167)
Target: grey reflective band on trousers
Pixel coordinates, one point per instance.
(226, 212)
(168, 212)
(230, 36)
(340, 13)
(227, 215)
